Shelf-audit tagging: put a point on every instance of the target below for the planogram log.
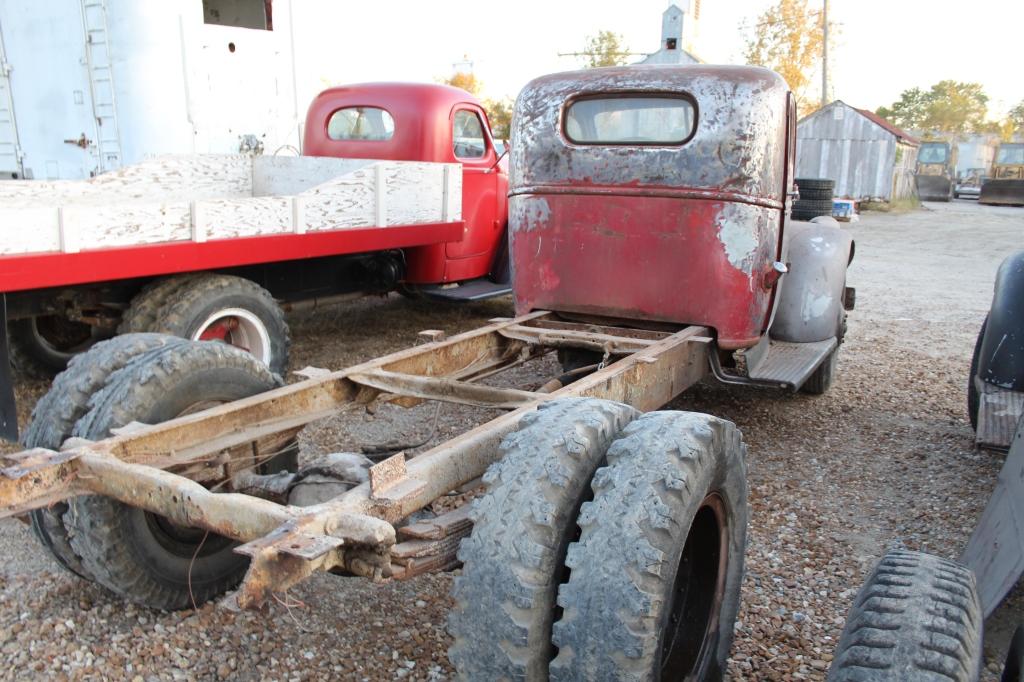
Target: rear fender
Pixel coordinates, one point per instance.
(811, 294)
(1001, 362)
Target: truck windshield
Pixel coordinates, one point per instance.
(630, 119)
(1011, 155)
(932, 153)
(360, 123)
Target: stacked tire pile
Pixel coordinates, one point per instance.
(815, 198)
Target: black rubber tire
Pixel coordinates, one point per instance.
(151, 299)
(816, 206)
(513, 561)
(34, 355)
(808, 216)
(916, 618)
(815, 194)
(815, 184)
(821, 379)
(187, 307)
(55, 415)
(1013, 670)
(620, 601)
(973, 399)
(123, 548)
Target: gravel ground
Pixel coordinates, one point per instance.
(884, 460)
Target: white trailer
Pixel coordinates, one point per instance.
(88, 86)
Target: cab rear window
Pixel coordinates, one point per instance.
(630, 120)
(360, 123)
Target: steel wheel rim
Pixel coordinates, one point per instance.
(239, 328)
(186, 541)
(689, 637)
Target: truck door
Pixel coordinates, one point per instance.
(473, 148)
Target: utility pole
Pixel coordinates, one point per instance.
(824, 54)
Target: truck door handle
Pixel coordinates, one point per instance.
(82, 142)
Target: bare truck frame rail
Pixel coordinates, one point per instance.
(352, 532)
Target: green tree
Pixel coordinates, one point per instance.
(1016, 117)
(956, 107)
(909, 111)
(499, 113)
(787, 38)
(948, 107)
(605, 49)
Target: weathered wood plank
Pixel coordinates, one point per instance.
(210, 197)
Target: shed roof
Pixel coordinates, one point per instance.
(898, 132)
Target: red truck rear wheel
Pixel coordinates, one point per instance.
(211, 307)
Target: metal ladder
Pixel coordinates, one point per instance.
(101, 84)
(11, 155)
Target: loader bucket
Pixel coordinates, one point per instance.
(1004, 192)
(934, 187)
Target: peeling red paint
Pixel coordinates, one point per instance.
(675, 233)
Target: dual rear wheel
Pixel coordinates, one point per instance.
(147, 378)
(609, 545)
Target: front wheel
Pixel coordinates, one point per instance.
(916, 619)
(821, 379)
(654, 582)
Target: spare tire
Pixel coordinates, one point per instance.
(815, 184)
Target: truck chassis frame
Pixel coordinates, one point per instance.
(353, 532)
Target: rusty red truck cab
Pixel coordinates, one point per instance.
(652, 193)
(423, 122)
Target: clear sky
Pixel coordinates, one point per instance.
(883, 46)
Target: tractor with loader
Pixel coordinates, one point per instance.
(1005, 184)
(935, 174)
(651, 247)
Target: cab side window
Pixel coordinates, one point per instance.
(468, 140)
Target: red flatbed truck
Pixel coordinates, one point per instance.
(400, 187)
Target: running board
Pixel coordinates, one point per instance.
(777, 364)
(999, 410)
(792, 363)
(473, 290)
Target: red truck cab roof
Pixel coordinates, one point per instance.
(419, 128)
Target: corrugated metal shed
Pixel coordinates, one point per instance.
(868, 157)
